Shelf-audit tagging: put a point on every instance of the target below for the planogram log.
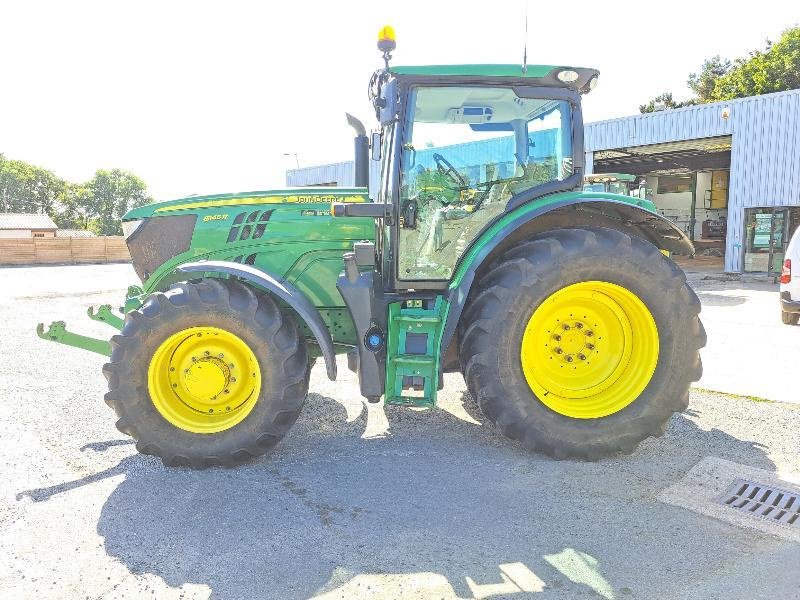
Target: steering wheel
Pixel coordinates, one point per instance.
(446, 168)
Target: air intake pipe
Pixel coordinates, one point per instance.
(361, 147)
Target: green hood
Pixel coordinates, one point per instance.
(305, 195)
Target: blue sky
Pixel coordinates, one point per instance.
(202, 97)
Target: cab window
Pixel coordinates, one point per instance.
(466, 152)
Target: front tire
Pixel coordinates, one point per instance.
(581, 342)
(207, 374)
(789, 318)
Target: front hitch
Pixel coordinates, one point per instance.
(57, 332)
(105, 315)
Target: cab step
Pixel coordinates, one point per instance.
(412, 362)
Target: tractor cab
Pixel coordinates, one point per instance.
(460, 146)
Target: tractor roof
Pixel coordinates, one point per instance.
(475, 70)
(538, 74)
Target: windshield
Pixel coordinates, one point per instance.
(466, 152)
(486, 135)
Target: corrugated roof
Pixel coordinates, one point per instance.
(26, 221)
(75, 233)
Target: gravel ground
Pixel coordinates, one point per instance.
(357, 501)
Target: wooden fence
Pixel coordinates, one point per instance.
(43, 251)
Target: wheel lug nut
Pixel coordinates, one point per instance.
(566, 327)
(569, 358)
(582, 356)
(207, 353)
(559, 351)
(172, 369)
(589, 333)
(579, 325)
(221, 355)
(557, 338)
(590, 346)
(227, 391)
(233, 379)
(174, 385)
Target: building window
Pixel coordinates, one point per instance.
(674, 184)
(767, 233)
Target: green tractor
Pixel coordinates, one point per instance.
(617, 183)
(478, 252)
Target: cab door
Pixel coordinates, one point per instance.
(466, 152)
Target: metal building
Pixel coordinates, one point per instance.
(728, 173)
(737, 161)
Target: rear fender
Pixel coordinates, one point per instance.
(571, 210)
(281, 289)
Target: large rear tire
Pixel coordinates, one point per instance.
(581, 342)
(207, 374)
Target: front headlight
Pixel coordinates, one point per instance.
(567, 76)
(129, 227)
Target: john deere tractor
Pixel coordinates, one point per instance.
(477, 251)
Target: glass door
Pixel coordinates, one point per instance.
(766, 238)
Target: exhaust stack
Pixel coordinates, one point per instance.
(361, 152)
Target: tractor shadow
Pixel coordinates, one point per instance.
(438, 498)
(709, 298)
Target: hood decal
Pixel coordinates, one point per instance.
(294, 199)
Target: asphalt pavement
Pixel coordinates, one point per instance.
(357, 501)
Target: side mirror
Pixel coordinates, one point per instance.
(376, 143)
(388, 103)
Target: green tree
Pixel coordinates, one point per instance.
(775, 69)
(666, 100)
(112, 193)
(96, 205)
(28, 188)
(75, 208)
(702, 83)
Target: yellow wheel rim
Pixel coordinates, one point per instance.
(204, 379)
(589, 349)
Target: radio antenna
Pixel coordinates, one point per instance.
(525, 44)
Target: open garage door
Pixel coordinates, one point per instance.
(687, 181)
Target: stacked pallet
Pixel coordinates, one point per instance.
(17, 252)
(117, 249)
(88, 250)
(52, 250)
(43, 251)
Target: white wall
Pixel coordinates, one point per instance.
(676, 207)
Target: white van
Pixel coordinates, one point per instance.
(790, 282)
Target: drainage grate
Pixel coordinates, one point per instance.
(760, 500)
